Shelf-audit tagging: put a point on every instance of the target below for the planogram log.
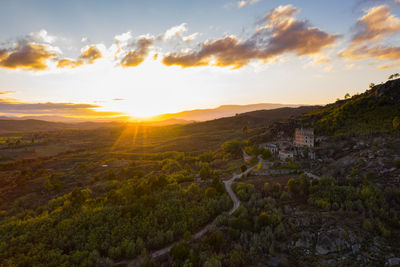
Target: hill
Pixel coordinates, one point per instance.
(253, 119)
(30, 125)
(219, 112)
(370, 112)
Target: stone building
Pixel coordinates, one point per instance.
(304, 137)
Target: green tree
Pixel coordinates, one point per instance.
(205, 171)
(233, 148)
(218, 185)
(292, 186)
(396, 123)
(243, 168)
(371, 85)
(211, 192)
(244, 191)
(180, 251)
(245, 129)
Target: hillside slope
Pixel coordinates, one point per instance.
(30, 125)
(370, 112)
(219, 112)
(252, 119)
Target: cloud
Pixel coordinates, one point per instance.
(388, 66)
(27, 56)
(377, 24)
(42, 36)
(175, 31)
(62, 109)
(191, 37)
(361, 2)
(123, 37)
(119, 99)
(69, 63)
(6, 92)
(88, 55)
(136, 56)
(283, 33)
(244, 3)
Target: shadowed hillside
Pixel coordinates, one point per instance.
(219, 112)
(12, 126)
(252, 119)
(370, 112)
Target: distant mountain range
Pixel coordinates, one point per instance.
(219, 112)
(183, 117)
(253, 119)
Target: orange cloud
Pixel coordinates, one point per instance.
(282, 34)
(377, 51)
(12, 107)
(27, 56)
(88, 56)
(6, 92)
(377, 24)
(91, 54)
(67, 63)
(135, 57)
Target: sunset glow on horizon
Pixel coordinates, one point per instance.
(140, 59)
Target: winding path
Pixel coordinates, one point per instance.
(236, 204)
(205, 229)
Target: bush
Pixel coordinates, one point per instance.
(292, 186)
(243, 168)
(367, 225)
(244, 191)
(211, 192)
(280, 231)
(284, 196)
(180, 251)
(323, 204)
(233, 148)
(397, 164)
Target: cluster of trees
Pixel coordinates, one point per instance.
(371, 112)
(256, 230)
(380, 208)
(133, 215)
(234, 148)
(244, 239)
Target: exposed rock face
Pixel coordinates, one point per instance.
(334, 240)
(393, 262)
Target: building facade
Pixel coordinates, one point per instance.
(284, 155)
(304, 137)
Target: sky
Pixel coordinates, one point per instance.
(113, 59)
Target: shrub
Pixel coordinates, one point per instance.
(243, 168)
(180, 251)
(292, 186)
(244, 191)
(367, 225)
(284, 196)
(211, 192)
(397, 164)
(323, 204)
(280, 231)
(233, 148)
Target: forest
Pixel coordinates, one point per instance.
(116, 194)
